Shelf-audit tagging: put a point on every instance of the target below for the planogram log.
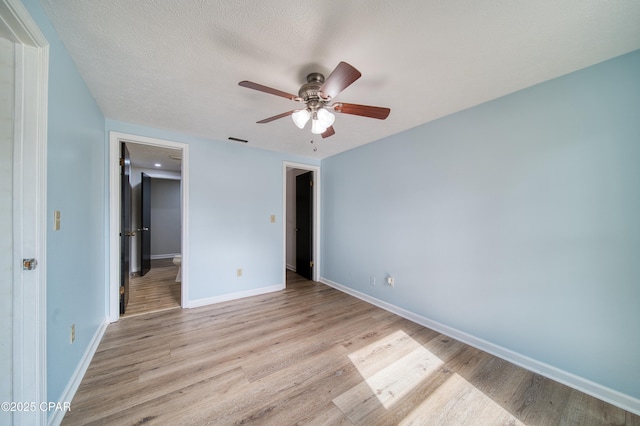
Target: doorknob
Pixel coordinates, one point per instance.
(142, 229)
(129, 234)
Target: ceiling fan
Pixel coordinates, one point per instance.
(317, 94)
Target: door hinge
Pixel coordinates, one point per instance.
(311, 183)
(121, 162)
(29, 264)
(121, 290)
(311, 263)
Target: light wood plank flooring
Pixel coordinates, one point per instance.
(311, 355)
(156, 291)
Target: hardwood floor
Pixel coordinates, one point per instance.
(156, 291)
(311, 355)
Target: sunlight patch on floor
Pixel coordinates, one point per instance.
(396, 367)
(398, 379)
(459, 402)
(391, 368)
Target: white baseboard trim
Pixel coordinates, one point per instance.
(291, 267)
(71, 388)
(164, 256)
(626, 402)
(233, 296)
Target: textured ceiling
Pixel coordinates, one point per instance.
(176, 64)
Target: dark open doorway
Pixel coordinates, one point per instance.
(304, 225)
(301, 228)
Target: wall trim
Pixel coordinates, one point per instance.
(619, 399)
(76, 378)
(234, 296)
(164, 256)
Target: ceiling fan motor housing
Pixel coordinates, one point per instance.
(309, 92)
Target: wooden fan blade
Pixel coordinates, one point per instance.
(339, 79)
(265, 89)
(363, 110)
(275, 117)
(329, 132)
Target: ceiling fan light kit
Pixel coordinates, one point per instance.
(317, 93)
(321, 120)
(325, 118)
(300, 117)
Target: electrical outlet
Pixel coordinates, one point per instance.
(391, 281)
(72, 335)
(239, 272)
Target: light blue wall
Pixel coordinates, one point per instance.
(233, 191)
(76, 266)
(517, 221)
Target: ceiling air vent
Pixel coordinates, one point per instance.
(231, 138)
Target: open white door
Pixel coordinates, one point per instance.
(24, 164)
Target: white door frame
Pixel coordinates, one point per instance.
(114, 215)
(316, 215)
(29, 368)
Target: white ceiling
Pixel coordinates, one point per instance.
(148, 156)
(176, 64)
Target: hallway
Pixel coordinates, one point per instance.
(156, 291)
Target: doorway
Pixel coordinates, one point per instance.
(301, 225)
(166, 163)
(155, 281)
